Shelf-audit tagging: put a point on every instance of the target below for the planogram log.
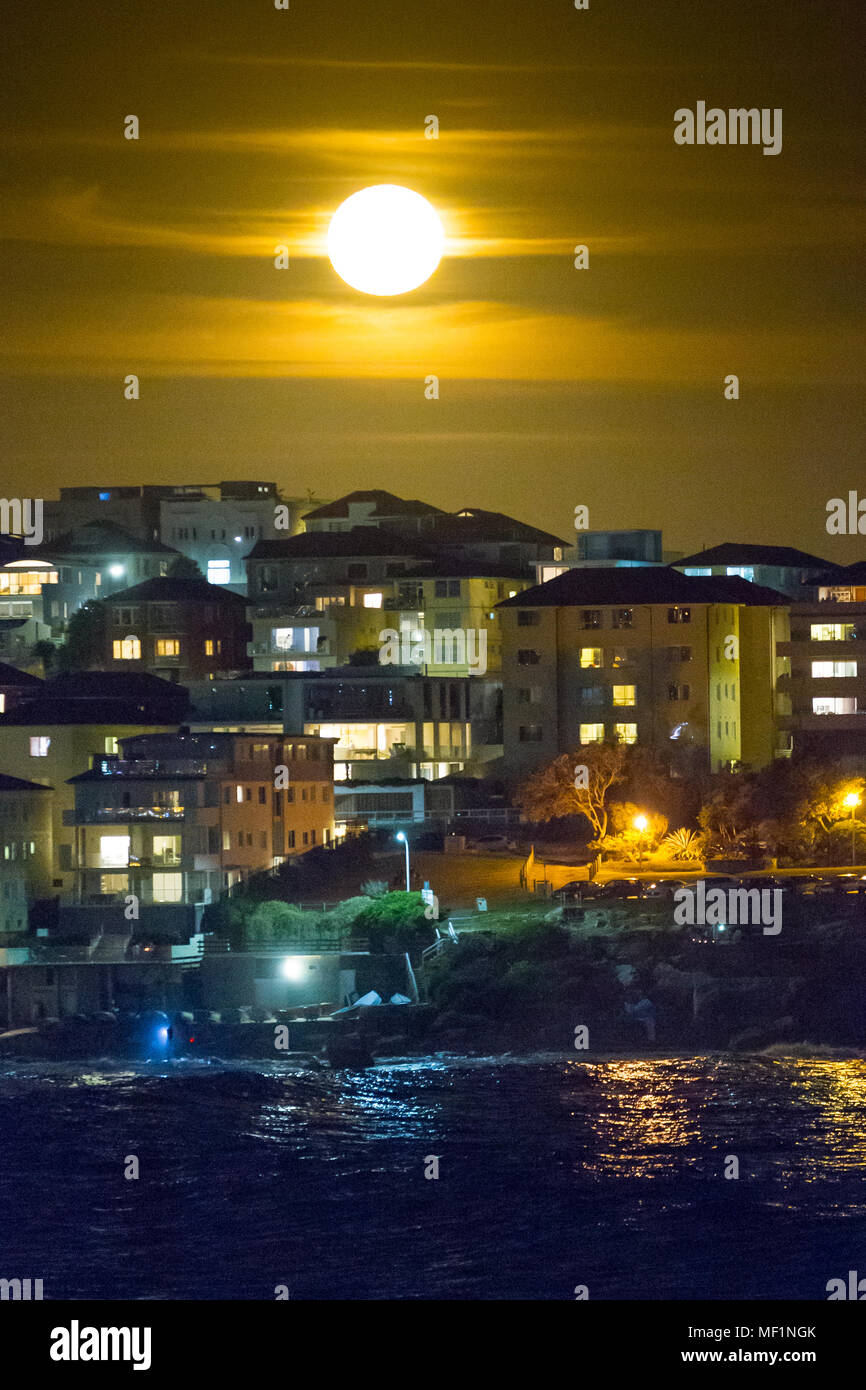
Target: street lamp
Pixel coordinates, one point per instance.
(640, 825)
(853, 800)
(400, 836)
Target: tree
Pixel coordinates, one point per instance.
(182, 567)
(575, 784)
(46, 652)
(86, 636)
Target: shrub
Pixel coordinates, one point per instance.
(374, 888)
(685, 844)
(274, 922)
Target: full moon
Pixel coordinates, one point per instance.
(385, 240)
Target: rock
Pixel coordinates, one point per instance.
(349, 1053)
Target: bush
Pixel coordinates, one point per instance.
(396, 922)
(275, 922)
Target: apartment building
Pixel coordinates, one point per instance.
(217, 525)
(177, 818)
(778, 567)
(177, 628)
(685, 666)
(57, 733)
(316, 598)
(457, 599)
(827, 656)
(384, 722)
(25, 848)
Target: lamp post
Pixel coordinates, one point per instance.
(853, 800)
(640, 825)
(400, 836)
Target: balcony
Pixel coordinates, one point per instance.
(145, 768)
(122, 815)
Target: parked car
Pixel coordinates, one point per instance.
(621, 888)
(663, 887)
(577, 888)
(831, 885)
(485, 843)
(766, 881)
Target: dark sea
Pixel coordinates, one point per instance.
(553, 1174)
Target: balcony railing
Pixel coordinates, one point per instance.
(108, 815)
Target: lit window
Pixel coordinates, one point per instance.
(219, 571)
(592, 733)
(113, 851)
(624, 694)
(625, 733)
(39, 746)
(831, 632)
(2, 702)
(167, 646)
(239, 793)
(208, 646)
(110, 743)
(823, 669)
(129, 649)
(590, 656)
(372, 600)
(838, 704)
(167, 888)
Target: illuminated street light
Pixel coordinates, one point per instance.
(640, 825)
(853, 800)
(400, 836)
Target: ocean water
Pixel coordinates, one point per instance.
(553, 1173)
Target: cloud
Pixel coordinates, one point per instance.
(170, 335)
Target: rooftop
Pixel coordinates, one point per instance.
(360, 540)
(385, 504)
(644, 584)
(165, 589)
(775, 556)
(100, 538)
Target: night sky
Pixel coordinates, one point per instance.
(557, 386)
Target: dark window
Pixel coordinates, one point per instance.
(623, 617)
(527, 617)
(527, 657)
(263, 796)
(530, 733)
(591, 617)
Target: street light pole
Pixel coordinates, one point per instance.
(401, 836)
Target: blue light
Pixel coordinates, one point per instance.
(105, 496)
(162, 1034)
